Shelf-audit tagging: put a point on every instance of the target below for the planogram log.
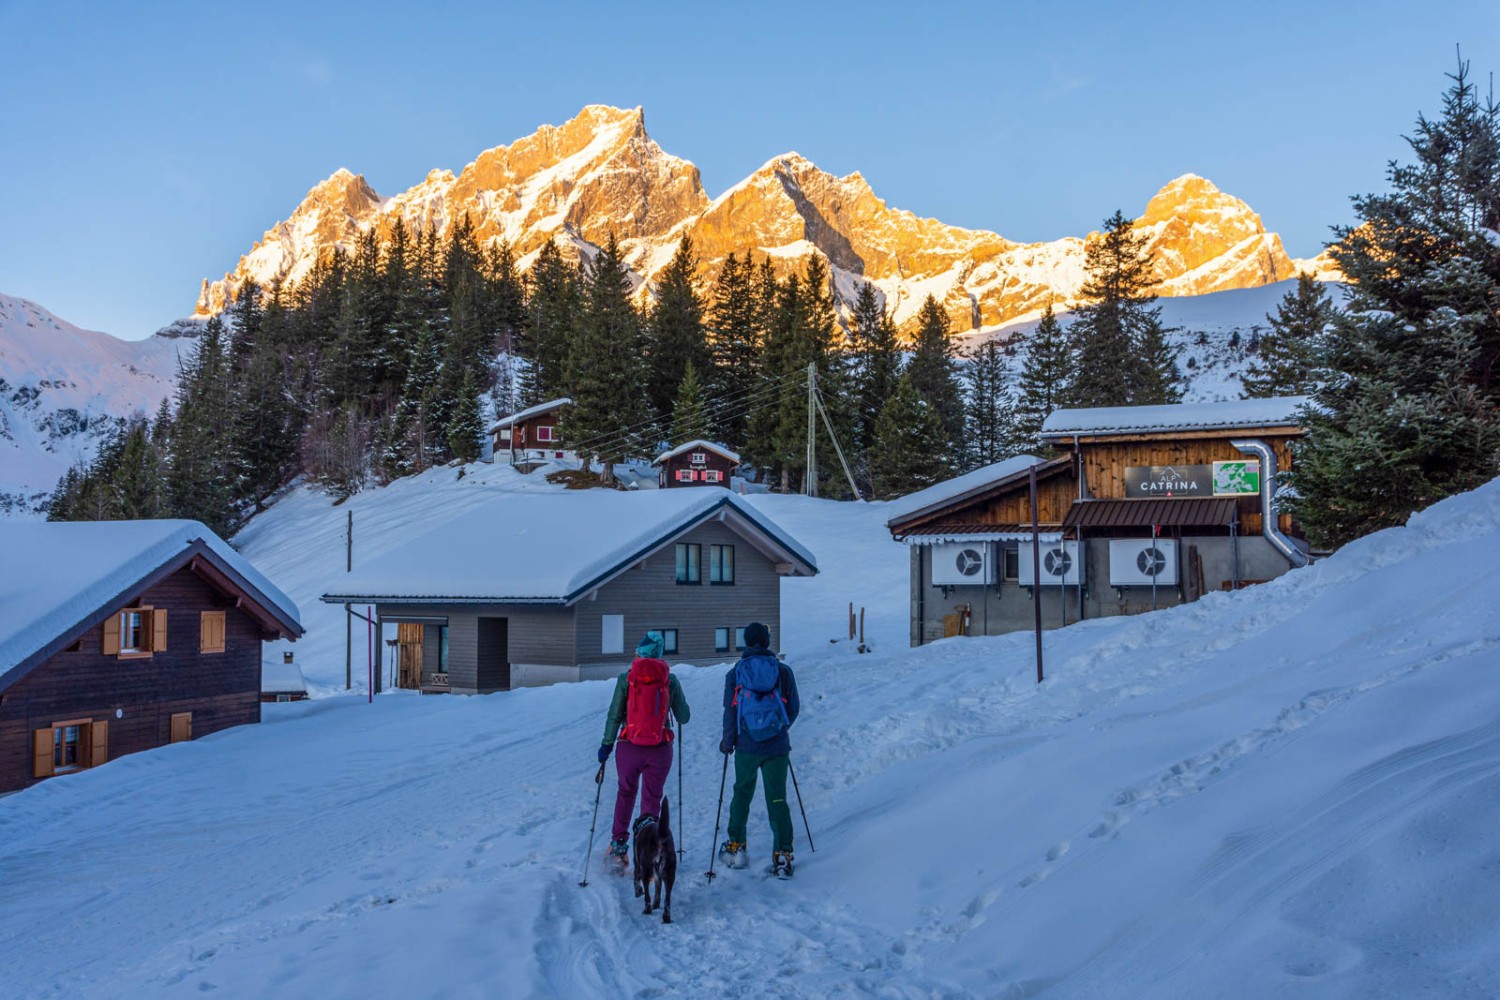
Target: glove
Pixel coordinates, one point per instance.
(726, 745)
(604, 752)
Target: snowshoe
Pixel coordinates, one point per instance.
(781, 864)
(617, 858)
(732, 855)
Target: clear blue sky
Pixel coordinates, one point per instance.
(145, 147)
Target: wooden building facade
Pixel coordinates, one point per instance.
(696, 566)
(696, 463)
(531, 437)
(1143, 508)
(173, 652)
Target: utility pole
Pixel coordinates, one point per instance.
(1036, 574)
(348, 616)
(810, 476)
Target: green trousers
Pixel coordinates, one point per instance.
(746, 767)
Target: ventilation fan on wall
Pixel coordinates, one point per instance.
(1139, 562)
(961, 564)
(1060, 564)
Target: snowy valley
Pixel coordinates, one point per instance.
(1287, 791)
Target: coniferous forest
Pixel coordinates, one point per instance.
(395, 357)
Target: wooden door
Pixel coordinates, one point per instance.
(409, 656)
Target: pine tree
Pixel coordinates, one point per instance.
(1284, 359)
(609, 417)
(1405, 410)
(910, 448)
(677, 339)
(877, 361)
(551, 307)
(1119, 346)
(689, 414)
(934, 375)
(411, 446)
(466, 427)
(1044, 381)
(735, 340)
(137, 484)
(989, 410)
(199, 474)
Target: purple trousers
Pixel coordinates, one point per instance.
(645, 768)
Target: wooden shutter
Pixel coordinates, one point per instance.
(41, 753)
(159, 630)
(211, 632)
(98, 743)
(182, 727)
(111, 636)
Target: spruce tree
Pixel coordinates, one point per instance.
(466, 426)
(200, 474)
(735, 340)
(1405, 407)
(137, 483)
(411, 446)
(1286, 357)
(689, 414)
(1045, 377)
(676, 336)
(551, 308)
(609, 418)
(989, 409)
(877, 361)
(910, 447)
(934, 375)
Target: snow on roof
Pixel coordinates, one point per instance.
(693, 446)
(59, 572)
(280, 677)
(545, 548)
(1236, 413)
(529, 412)
(957, 486)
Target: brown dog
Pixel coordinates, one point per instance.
(655, 859)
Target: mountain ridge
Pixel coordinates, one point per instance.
(601, 173)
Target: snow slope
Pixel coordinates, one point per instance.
(62, 389)
(1290, 791)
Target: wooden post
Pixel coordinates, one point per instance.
(348, 617)
(851, 621)
(1036, 573)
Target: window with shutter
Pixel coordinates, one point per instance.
(211, 632)
(139, 632)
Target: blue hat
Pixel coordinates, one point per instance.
(757, 636)
(650, 646)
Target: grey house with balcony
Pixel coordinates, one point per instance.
(533, 589)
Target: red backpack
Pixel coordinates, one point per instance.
(647, 701)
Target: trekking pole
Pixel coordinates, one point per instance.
(680, 760)
(805, 828)
(583, 876)
(713, 848)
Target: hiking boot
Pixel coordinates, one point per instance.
(781, 864)
(733, 855)
(619, 852)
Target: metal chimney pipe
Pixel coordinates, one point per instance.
(1267, 456)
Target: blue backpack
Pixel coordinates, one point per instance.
(762, 713)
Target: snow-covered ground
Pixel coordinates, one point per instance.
(1291, 791)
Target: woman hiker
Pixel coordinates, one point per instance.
(639, 719)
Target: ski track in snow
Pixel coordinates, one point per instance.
(1131, 821)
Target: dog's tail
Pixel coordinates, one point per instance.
(665, 820)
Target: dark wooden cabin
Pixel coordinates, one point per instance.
(696, 463)
(122, 636)
(531, 437)
(1143, 507)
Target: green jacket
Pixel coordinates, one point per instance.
(616, 717)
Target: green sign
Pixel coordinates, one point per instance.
(1236, 478)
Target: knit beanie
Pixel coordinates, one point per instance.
(757, 635)
(650, 646)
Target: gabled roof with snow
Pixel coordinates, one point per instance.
(529, 412)
(1236, 414)
(696, 445)
(553, 548)
(952, 489)
(280, 677)
(61, 577)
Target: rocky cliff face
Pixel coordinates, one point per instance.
(601, 173)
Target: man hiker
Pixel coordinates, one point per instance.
(760, 705)
(638, 718)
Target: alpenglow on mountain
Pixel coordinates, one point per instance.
(601, 173)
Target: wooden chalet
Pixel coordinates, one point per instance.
(531, 437)
(532, 589)
(1142, 508)
(121, 636)
(696, 463)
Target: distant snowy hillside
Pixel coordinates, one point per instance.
(1290, 791)
(62, 389)
(1212, 332)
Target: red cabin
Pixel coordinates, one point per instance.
(697, 463)
(531, 437)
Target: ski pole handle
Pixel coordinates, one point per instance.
(599, 778)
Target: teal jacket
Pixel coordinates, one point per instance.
(616, 717)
